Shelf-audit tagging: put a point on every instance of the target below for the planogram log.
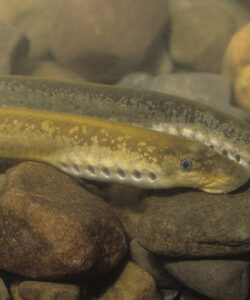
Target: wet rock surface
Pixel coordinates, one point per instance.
(14, 48)
(196, 224)
(216, 279)
(51, 227)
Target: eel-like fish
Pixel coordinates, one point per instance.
(115, 152)
(157, 111)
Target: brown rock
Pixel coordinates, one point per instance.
(30, 290)
(4, 295)
(52, 227)
(14, 48)
(196, 40)
(216, 279)
(242, 88)
(237, 53)
(104, 41)
(194, 224)
(132, 284)
(152, 264)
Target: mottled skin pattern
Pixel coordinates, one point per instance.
(115, 152)
(161, 112)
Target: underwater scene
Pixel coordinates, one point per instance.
(125, 150)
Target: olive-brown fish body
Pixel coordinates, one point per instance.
(157, 111)
(114, 152)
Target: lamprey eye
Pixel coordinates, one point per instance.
(186, 165)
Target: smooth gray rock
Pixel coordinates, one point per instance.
(196, 224)
(216, 279)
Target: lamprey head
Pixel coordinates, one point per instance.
(200, 167)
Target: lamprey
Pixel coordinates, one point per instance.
(170, 114)
(115, 152)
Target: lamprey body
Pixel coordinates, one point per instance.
(114, 152)
(170, 114)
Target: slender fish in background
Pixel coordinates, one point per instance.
(161, 112)
(115, 152)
